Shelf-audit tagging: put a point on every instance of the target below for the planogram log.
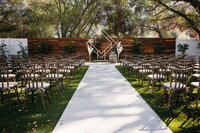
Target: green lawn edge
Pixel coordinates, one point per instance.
(34, 118)
(178, 118)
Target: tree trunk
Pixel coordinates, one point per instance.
(63, 31)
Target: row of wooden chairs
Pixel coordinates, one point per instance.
(37, 74)
(173, 73)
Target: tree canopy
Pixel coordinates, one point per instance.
(79, 18)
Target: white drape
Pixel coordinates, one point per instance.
(119, 48)
(90, 49)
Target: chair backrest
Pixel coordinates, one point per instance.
(198, 65)
(146, 63)
(159, 69)
(33, 79)
(180, 56)
(53, 67)
(4, 74)
(190, 57)
(180, 75)
(184, 64)
(66, 64)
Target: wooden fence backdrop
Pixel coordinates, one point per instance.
(58, 45)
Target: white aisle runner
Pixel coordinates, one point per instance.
(105, 102)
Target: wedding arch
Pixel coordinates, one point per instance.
(112, 44)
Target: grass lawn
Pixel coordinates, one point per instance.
(178, 117)
(34, 118)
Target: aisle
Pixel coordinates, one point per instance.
(105, 102)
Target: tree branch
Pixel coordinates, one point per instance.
(194, 3)
(191, 22)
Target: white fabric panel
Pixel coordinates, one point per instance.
(192, 46)
(13, 44)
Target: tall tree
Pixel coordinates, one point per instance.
(77, 18)
(7, 23)
(121, 20)
(74, 17)
(28, 18)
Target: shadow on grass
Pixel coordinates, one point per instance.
(34, 118)
(180, 118)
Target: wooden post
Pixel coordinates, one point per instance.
(89, 58)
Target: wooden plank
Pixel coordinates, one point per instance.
(56, 45)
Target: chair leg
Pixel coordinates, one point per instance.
(81, 66)
(143, 76)
(2, 97)
(185, 94)
(9, 100)
(33, 96)
(153, 82)
(164, 90)
(59, 90)
(50, 85)
(198, 93)
(139, 78)
(72, 74)
(25, 98)
(130, 69)
(123, 68)
(69, 77)
(16, 91)
(170, 95)
(48, 97)
(21, 85)
(133, 73)
(159, 84)
(62, 84)
(191, 90)
(42, 98)
(149, 82)
(168, 76)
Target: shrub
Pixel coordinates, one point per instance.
(159, 49)
(3, 49)
(183, 48)
(23, 49)
(69, 48)
(42, 48)
(136, 48)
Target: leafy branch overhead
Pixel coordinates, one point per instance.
(80, 18)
